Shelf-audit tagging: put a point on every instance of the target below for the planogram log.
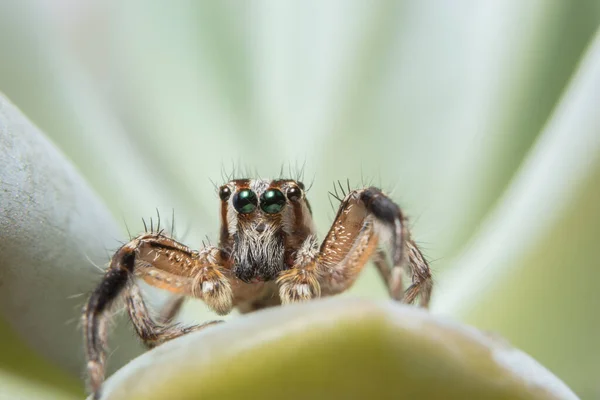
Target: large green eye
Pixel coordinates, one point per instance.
(272, 201)
(245, 201)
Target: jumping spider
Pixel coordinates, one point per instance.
(268, 255)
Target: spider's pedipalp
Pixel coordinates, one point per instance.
(301, 283)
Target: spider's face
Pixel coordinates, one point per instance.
(260, 220)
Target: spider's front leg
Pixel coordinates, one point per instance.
(161, 262)
(365, 218)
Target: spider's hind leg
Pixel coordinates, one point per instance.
(405, 252)
(422, 284)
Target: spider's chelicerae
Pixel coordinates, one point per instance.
(268, 254)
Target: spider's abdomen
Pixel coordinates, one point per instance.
(258, 256)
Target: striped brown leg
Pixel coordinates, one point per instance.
(418, 269)
(365, 217)
(422, 283)
(161, 262)
(154, 333)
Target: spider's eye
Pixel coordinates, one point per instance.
(272, 201)
(245, 201)
(224, 193)
(294, 193)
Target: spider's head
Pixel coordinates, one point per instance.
(260, 219)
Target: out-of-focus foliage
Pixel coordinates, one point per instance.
(479, 118)
(52, 229)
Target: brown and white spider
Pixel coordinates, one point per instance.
(268, 255)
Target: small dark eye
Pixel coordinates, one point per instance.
(224, 193)
(294, 193)
(272, 201)
(245, 201)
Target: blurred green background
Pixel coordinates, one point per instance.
(480, 118)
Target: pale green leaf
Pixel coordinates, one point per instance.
(532, 271)
(53, 231)
(336, 348)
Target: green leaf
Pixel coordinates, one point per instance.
(19, 388)
(532, 270)
(336, 348)
(53, 229)
(24, 375)
(43, 78)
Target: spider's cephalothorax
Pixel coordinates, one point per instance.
(263, 224)
(268, 254)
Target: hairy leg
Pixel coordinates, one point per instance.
(422, 284)
(365, 217)
(161, 262)
(95, 315)
(154, 333)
